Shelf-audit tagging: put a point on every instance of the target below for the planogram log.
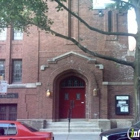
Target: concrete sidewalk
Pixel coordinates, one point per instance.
(76, 136)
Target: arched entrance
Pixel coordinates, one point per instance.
(72, 96)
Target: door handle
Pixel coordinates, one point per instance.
(82, 102)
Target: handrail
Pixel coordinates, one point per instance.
(70, 113)
(69, 118)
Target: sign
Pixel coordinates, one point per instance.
(3, 87)
(9, 95)
(122, 104)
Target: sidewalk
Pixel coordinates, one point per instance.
(76, 136)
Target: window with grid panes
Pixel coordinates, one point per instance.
(72, 81)
(2, 68)
(17, 71)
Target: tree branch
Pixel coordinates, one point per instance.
(136, 4)
(129, 4)
(91, 52)
(92, 28)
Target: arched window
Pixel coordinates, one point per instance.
(72, 81)
(109, 21)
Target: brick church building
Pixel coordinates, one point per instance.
(48, 75)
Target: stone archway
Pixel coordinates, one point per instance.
(82, 66)
(57, 90)
(91, 75)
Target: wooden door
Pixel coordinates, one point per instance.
(72, 98)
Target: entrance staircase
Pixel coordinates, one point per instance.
(75, 126)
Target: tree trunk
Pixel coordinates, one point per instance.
(137, 78)
(137, 68)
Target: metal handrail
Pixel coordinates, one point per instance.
(69, 118)
(70, 113)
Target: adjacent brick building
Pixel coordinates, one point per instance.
(35, 63)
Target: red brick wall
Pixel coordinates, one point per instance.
(38, 47)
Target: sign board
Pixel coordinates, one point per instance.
(3, 87)
(9, 95)
(122, 104)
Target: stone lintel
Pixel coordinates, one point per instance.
(27, 85)
(117, 83)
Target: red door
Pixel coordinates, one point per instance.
(72, 97)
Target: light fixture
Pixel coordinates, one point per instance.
(48, 93)
(1, 78)
(95, 92)
(100, 13)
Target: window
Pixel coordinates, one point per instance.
(72, 81)
(17, 71)
(78, 96)
(8, 128)
(109, 21)
(112, 25)
(66, 96)
(17, 34)
(3, 34)
(70, 20)
(2, 68)
(8, 111)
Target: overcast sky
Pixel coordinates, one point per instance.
(132, 28)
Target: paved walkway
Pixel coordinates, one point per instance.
(76, 136)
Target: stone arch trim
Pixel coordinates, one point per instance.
(60, 73)
(62, 56)
(66, 69)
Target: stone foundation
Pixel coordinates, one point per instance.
(121, 123)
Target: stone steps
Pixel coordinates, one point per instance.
(78, 126)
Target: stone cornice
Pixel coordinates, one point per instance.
(55, 59)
